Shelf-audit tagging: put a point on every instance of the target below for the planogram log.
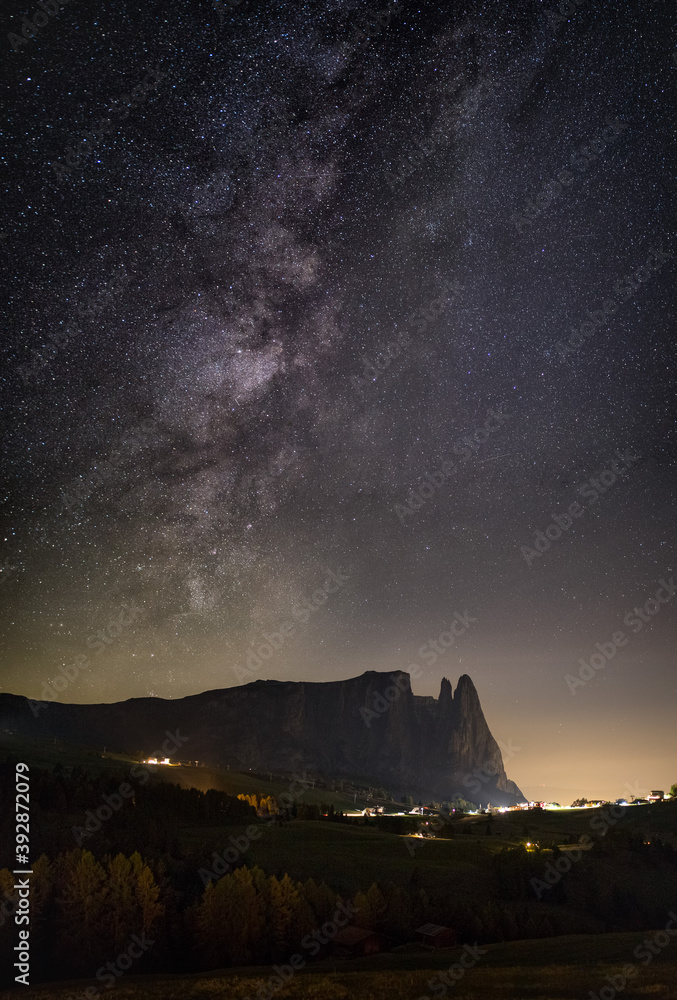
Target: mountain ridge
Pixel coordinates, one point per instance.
(370, 725)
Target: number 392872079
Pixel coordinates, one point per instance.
(22, 814)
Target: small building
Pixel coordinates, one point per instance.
(355, 942)
(656, 796)
(435, 936)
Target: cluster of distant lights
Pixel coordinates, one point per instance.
(554, 806)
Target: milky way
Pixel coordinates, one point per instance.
(266, 276)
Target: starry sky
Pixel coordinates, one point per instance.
(297, 289)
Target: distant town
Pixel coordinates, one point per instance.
(656, 795)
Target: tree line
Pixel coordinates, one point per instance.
(139, 874)
(84, 910)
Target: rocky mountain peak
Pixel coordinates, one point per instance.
(371, 726)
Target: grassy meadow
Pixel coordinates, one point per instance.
(566, 968)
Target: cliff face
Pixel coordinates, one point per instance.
(371, 726)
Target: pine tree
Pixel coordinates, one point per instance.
(230, 920)
(370, 907)
(120, 911)
(397, 917)
(283, 903)
(303, 917)
(147, 893)
(81, 905)
(322, 900)
(377, 905)
(210, 940)
(261, 934)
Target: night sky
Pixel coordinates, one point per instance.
(269, 296)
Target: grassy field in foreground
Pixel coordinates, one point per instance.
(566, 968)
